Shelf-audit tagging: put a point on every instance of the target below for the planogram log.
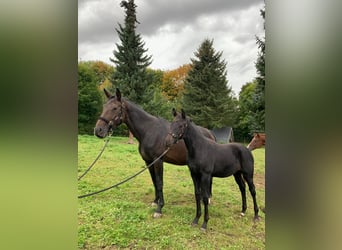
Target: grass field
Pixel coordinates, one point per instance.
(122, 217)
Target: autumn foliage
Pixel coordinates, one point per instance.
(173, 82)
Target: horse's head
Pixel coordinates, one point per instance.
(257, 141)
(112, 114)
(178, 127)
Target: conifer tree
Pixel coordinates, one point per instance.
(130, 58)
(207, 98)
(258, 123)
(131, 61)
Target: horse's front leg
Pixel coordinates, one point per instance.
(205, 191)
(158, 170)
(197, 190)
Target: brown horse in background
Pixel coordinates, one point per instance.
(258, 141)
(150, 131)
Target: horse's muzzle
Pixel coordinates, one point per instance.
(171, 139)
(100, 132)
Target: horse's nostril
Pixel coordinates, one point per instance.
(98, 130)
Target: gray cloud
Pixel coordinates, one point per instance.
(156, 13)
(97, 22)
(104, 16)
(173, 30)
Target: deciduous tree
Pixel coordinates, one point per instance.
(173, 82)
(89, 98)
(245, 117)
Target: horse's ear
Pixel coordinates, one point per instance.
(107, 93)
(257, 135)
(118, 94)
(174, 112)
(183, 114)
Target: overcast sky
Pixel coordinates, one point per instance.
(173, 31)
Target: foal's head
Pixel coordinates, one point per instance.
(178, 127)
(112, 114)
(257, 141)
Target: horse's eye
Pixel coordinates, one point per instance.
(115, 108)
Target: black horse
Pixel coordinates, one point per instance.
(207, 159)
(150, 131)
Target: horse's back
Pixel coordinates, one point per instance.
(207, 133)
(231, 158)
(241, 151)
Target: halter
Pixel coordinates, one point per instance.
(110, 122)
(105, 120)
(180, 136)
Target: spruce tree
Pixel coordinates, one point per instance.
(258, 123)
(207, 98)
(131, 62)
(130, 59)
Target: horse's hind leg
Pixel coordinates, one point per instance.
(153, 177)
(249, 179)
(242, 186)
(211, 191)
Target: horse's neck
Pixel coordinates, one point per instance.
(192, 138)
(137, 120)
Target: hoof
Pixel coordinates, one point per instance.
(154, 204)
(203, 230)
(242, 214)
(194, 223)
(256, 218)
(157, 215)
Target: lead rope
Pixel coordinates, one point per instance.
(127, 179)
(91, 165)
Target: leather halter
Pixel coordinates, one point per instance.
(110, 122)
(181, 134)
(104, 119)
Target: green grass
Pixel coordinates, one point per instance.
(122, 217)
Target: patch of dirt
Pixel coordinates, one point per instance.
(259, 180)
